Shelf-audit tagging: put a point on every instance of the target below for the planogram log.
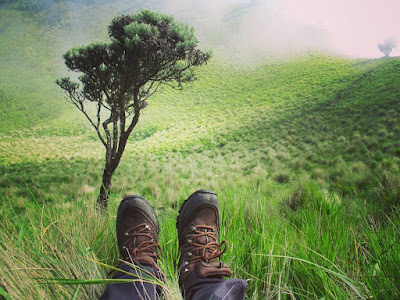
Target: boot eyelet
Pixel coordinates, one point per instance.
(190, 253)
(189, 241)
(185, 263)
(147, 226)
(123, 247)
(193, 228)
(126, 234)
(186, 270)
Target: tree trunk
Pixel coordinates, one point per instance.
(102, 200)
(113, 158)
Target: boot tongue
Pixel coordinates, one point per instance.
(206, 216)
(142, 247)
(205, 239)
(136, 241)
(132, 220)
(142, 234)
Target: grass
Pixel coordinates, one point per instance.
(303, 152)
(307, 254)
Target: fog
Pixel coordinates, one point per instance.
(353, 27)
(243, 30)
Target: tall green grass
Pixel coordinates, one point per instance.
(321, 248)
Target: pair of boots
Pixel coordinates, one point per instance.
(200, 271)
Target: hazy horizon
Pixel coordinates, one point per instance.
(271, 28)
(351, 27)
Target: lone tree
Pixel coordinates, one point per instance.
(387, 47)
(146, 50)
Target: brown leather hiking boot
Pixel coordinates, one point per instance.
(198, 226)
(137, 231)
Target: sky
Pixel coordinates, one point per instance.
(350, 27)
(235, 28)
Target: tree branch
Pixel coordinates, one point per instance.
(114, 136)
(78, 103)
(108, 144)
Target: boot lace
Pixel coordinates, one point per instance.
(206, 252)
(150, 247)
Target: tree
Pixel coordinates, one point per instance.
(146, 50)
(387, 47)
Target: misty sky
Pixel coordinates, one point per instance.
(350, 27)
(274, 28)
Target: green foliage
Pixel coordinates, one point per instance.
(146, 51)
(147, 48)
(4, 293)
(304, 155)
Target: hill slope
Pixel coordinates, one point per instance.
(306, 116)
(304, 154)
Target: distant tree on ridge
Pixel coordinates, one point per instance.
(387, 47)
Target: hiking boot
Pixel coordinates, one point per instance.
(137, 231)
(198, 226)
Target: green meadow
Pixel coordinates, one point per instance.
(304, 153)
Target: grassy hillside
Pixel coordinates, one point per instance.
(303, 152)
(27, 92)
